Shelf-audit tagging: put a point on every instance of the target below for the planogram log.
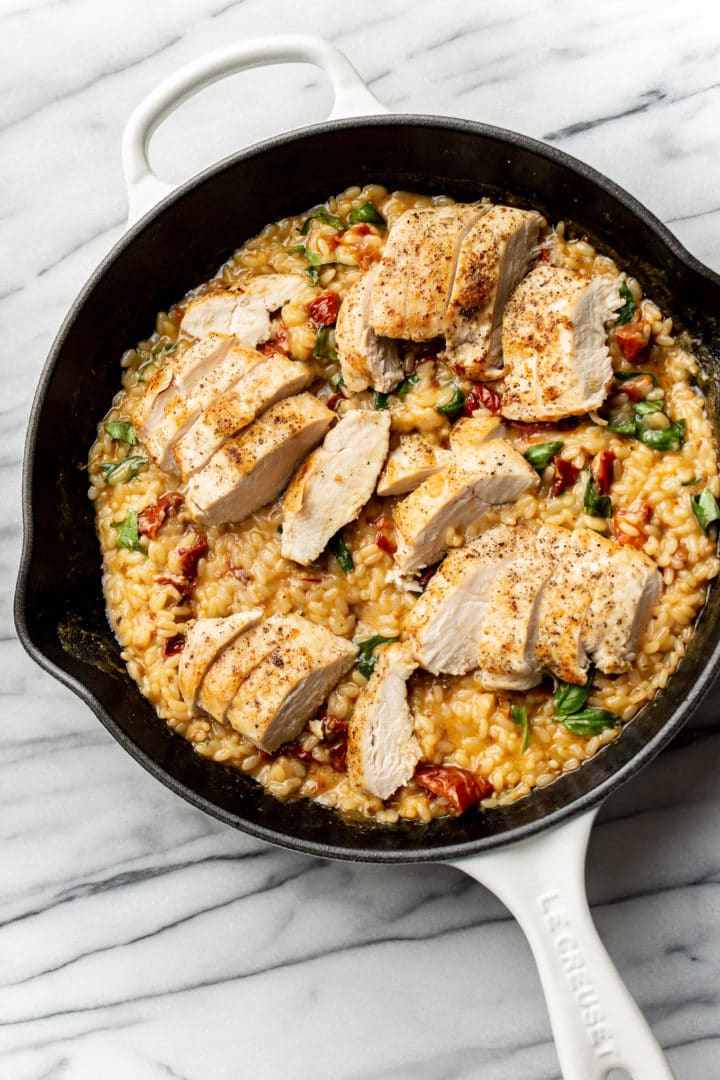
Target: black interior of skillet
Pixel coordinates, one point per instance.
(59, 605)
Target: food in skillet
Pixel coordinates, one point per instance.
(408, 509)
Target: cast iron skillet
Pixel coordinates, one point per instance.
(59, 608)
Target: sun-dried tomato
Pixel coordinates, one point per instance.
(177, 583)
(483, 395)
(324, 309)
(565, 476)
(630, 338)
(628, 524)
(156, 514)
(333, 401)
(173, 645)
(459, 788)
(426, 575)
(602, 468)
(190, 556)
(635, 389)
(385, 543)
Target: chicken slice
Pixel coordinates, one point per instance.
(365, 359)
(415, 274)
(555, 344)
(382, 748)
(455, 497)
(470, 433)
(251, 469)
(494, 257)
(270, 380)
(620, 610)
(278, 697)
(408, 464)
(446, 624)
(244, 310)
(581, 559)
(204, 641)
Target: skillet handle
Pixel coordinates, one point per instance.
(596, 1024)
(352, 98)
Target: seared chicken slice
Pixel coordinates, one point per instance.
(456, 497)
(470, 433)
(415, 274)
(581, 559)
(446, 624)
(251, 469)
(408, 464)
(279, 696)
(334, 483)
(191, 367)
(243, 310)
(555, 344)
(620, 610)
(204, 641)
(270, 380)
(382, 748)
(494, 257)
(365, 359)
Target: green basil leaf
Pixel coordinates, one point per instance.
(127, 533)
(705, 508)
(158, 351)
(627, 311)
(690, 483)
(324, 215)
(628, 376)
(644, 408)
(594, 503)
(325, 344)
(671, 438)
(123, 471)
(624, 423)
(590, 721)
(407, 384)
(380, 401)
(366, 658)
(569, 699)
(121, 431)
(297, 249)
(454, 406)
(367, 213)
(541, 454)
(520, 716)
(312, 273)
(279, 530)
(342, 553)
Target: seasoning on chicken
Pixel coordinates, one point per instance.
(470, 433)
(365, 359)
(620, 609)
(233, 665)
(251, 469)
(382, 748)
(555, 344)
(334, 483)
(205, 640)
(408, 464)
(494, 256)
(243, 310)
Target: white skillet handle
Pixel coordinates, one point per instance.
(596, 1024)
(352, 98)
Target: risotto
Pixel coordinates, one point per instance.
(162, 569)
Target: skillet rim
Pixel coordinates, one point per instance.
(418, 853)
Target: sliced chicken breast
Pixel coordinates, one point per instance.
(415, 274)
(382, 748)
(243, 311)
(494, 257)
(251, 469)
(204, 641)
(408, 464)
(270, 380)
(620, 610)
(581, 559)
(447, 622)
(555, 344)
(279, 696)
(199, 360)
(365, 359)
(456, 497)
(470, 433)
(334, 483)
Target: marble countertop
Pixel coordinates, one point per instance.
(141, 939)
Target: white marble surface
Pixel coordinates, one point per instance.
(140, 939)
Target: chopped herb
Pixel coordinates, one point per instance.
(671, 438)
(297, 249)
(127, 533)
(520, 716)
(407, 384)
(380, 401)
(366, 658)
(312, 273)
(159, 350)
(340, 384)
(705, 508)
(541, 454)
(342, 553)
(325, 344)
(367, 213)
(279, 529)
(689, 483)
(324, 215)
(627, 376)
(454, 406)
(570, 699)
(590, 721)
(627, 311)
(624, 423)
(122, 431)
(123, 471)
(594, 503)
(644, 408)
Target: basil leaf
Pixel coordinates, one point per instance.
(297, 249)
(520, 716)
(342, 553)
(541, 454)
(279, 530)
(324, 215)
(127, 533)
(366, 658)
(627, 311)
(454, 406)
(123, 471)
(121, 431)
(325, 344)
(406, 385)
(690, 483)
(624, 423)
(158, 351)
(569, 699)
(671, 438)
(590, 721)
(628, 376)
(594, 503)
(644, 408)
(366, 212)
(312, 273)
(380, 401)
(705, 508)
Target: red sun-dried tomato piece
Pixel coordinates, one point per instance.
(173, 645)
(602, 468)
(156, 514)
(324, 309)
(459, 787)
(565, 476)
(334, 400)
(483, 395)
(630, 338)
(190, 556)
